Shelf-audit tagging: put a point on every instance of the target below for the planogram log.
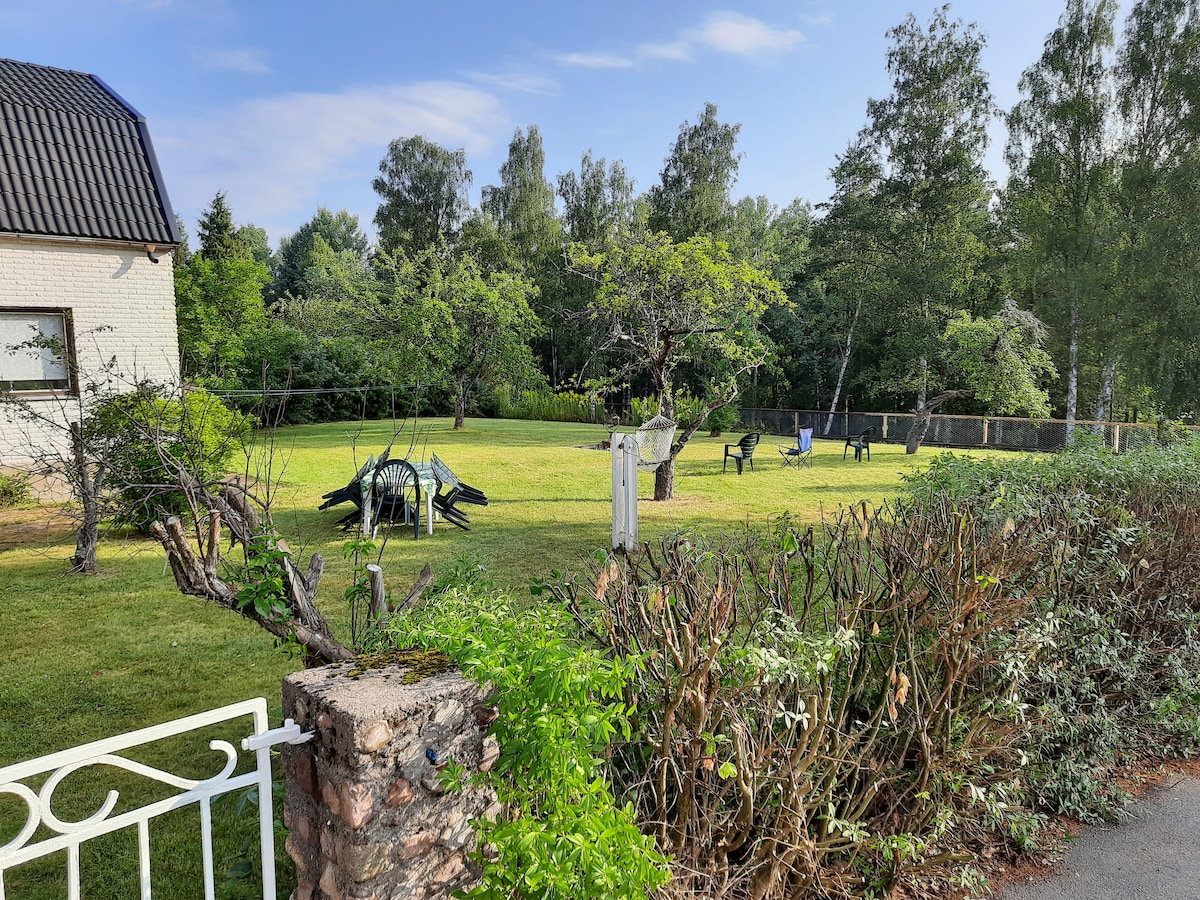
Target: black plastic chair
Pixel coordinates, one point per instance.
(744, 453)
(859, 442)
(351, 493)
(800, 453)
(450, 492)
(396, 495)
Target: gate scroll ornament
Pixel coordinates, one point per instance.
(69, 836)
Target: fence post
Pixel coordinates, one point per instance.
(1116, 439)
(885, 424)
(796, 422)
(985, 430)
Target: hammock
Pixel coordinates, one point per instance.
(654, 439)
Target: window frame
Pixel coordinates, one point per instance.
(72, 387)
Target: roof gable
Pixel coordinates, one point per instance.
(76, 160)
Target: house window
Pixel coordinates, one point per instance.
(35, 345)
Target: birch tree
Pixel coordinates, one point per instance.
(1158, 205)
(1059, 196)
(909, 216)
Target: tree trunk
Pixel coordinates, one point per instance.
(837, 390)
(87, 535)
(1108, 377)
(1073, 369)
(664, 480)
(924, 413)
(460, 411)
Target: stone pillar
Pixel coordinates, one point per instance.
(368, 816)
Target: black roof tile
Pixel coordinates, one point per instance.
(76, 160)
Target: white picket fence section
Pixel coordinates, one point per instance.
(69, 836)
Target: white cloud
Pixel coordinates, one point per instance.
(524, 84)
(723, 32)
(594, 60)
(819, 20)
(250, 61)
(732, 32)
(278, 157)
(677, 51)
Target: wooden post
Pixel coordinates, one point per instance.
(885, 424)
(985, 430)
(1116, 439)
(796, 422)
(377, 610)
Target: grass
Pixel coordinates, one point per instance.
(92, 656)
(551, 501)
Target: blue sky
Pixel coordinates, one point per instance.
(290, 106)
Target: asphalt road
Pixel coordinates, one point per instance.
(1155, 854)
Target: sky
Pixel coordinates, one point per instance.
(289, 106)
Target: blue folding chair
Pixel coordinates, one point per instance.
(800, 453)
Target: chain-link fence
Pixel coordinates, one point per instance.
(960, 431)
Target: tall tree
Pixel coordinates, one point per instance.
(693, 193)
(424, 191)
(1059, 197)
(215, 227)
(1158, 201)
(597, 202)
(664, 305)
(598, 208)
(909, 216)
(253, 241)
(777, 241)
(339, 232)
(218, 300)
(522, 205)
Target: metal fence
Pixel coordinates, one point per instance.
(42, 833)
(1002, 433)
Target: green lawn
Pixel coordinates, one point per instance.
(91, 656)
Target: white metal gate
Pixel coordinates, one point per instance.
(69, 836)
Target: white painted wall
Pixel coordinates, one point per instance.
(122, 305)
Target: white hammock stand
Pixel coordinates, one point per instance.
(647, 448)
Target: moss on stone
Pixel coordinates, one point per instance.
(420, 664)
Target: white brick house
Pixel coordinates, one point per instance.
(86, 240)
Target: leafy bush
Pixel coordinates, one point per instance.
(147, 434)
(544, 406)
(687, 408)
(1113, 544)
(817, 709)
(563, 836)
(14, 489)
(292, 359)
(721, 419)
